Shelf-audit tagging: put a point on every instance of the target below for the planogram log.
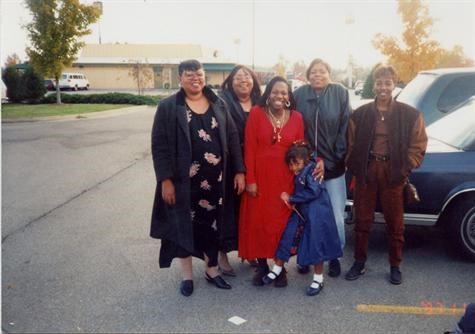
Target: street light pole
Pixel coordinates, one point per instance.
(349, 70)
(98, 5)
(253, 31)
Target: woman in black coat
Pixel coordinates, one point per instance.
(240, 90)
(194, 140)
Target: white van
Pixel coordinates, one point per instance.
(73, 81)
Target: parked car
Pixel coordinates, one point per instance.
(49, 84)
(436, 92)
(296, 83)
(359, 87)
(74, 81)
(446, 180)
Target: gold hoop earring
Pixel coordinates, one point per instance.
(267, 102)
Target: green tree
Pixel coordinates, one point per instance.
(367, 92)
(54, 34)
(417, 51)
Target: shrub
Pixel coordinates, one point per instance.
(12, 80)
(107, 98)
(33, 86)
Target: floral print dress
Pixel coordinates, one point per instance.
(206, 174)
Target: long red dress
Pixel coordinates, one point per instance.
(263, 218)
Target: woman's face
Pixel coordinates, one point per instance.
(279, 95)
(319, 77)
(193, 81)
(242, 83)
(383, 88)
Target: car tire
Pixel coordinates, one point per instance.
(462, 226)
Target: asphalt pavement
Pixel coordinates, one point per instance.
(76, 256)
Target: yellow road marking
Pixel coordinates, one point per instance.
(410, 309)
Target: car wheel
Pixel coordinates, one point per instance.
(462, 226)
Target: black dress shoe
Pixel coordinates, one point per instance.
(395, 276)
(303, 269)
(356, 270)
(314, 291)
(186, 287)
(218, 281)
(334, 268)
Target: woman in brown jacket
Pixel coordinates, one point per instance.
(386, 140)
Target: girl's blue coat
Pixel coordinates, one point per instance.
(319, 241)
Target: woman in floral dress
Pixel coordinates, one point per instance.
(194, 144)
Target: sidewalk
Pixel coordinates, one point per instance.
(91, 115)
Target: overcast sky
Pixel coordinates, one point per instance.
(297, 30)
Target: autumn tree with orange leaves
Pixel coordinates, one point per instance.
(417, 51)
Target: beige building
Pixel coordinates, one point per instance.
(122, 66)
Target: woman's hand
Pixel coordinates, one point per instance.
(239, 183)
(285, 197)
(319, 171)
(252, 189)
(168, 192)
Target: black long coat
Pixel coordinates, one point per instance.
(171, 153)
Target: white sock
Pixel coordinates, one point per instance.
(276, 269)
(318, 278)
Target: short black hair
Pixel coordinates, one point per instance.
(263, 100)
(299, 149)
(189, 65)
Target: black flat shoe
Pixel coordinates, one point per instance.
(218, 281)
(395, 276)
(334, 269)
(303, 269)
(314, 291)
(268, 279)
(186, 287)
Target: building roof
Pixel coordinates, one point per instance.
(147, 53)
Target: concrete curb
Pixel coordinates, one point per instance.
(91, 115)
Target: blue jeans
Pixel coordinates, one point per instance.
(337, 190)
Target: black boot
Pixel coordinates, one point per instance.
(261, 271)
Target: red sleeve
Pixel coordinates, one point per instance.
(250, 145)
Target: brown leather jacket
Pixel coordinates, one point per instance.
(407, 140)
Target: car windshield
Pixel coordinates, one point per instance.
(412, 93)
(458, 128)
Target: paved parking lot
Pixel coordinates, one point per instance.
(76, 256)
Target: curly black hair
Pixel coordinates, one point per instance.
(263, 100)
(299, 149)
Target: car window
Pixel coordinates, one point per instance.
(413, 92)
(64, 76)
(458, 128)
(456, 92)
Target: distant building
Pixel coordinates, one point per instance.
(110, 66)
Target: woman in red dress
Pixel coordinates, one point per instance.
(273, 125)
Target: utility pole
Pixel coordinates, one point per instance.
(98, 5)
(253, 31)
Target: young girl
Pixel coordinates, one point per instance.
(311, 229)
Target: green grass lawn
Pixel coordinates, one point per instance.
(12, 111)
